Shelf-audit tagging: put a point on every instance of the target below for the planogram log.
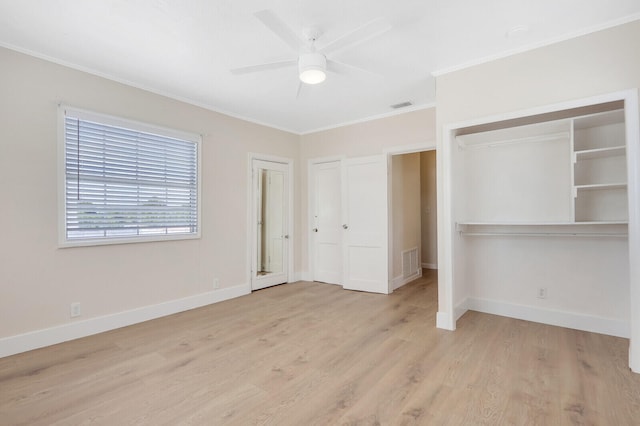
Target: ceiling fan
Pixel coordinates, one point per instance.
(313, 63)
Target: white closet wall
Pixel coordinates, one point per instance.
(541, 215)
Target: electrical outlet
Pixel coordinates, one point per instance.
(75, 310)
(542, 293)
(216, 283)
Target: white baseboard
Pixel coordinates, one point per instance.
(306, 276)
(612, 327)
(399, 281)
(460, 309)
(302, 276)
(443, 321)
(430, 265)
(75, 330)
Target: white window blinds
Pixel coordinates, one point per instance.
(126, 183)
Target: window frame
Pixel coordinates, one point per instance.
(83, 114)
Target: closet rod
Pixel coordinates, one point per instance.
(542, 234)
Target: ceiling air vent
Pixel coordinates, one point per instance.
(401, 105)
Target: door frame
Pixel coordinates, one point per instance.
(310, 204)
(429, 145)
(251, 215)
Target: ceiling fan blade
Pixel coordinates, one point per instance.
(359, 35)
(264, 67)
(279, 28)
(342, 68)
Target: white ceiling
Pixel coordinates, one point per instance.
(185, 48)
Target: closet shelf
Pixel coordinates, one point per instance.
(589, 154)
(512, 141)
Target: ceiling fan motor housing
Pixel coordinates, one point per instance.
(312, 68)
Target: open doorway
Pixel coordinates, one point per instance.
(428, 210)
(412, 216)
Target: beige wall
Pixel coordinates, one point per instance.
(428, 208)
(38, 281)
(405, 208)
(371, 137)
(601, 62)
(590, 65)
(367, 138)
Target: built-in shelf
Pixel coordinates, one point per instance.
(599, 119)
(584, 182)
(513, 141)
(589, 154)
(599, 169)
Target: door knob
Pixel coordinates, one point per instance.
(315, 229)
(286, 237)
(345, 226)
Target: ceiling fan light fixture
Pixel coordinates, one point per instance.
(312, 68)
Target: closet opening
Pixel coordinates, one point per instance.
(542, 217)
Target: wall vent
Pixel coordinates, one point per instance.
(402, 105)
(410, 266)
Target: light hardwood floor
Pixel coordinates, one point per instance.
(310, 353)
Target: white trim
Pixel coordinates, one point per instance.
(533, 46)
(322, 160)
(127, 123)
(251, 248)
(107, 241)
(429, 145)
(371, 118)
(400, 281)
(269, 157)
(390, 248)
(250, 229)
(62, 178)
(591, 323)
(75, 330)
(460, 309)
(429, 265)
(302, 276)
(443, 321)
(446, 231)
(632, 131)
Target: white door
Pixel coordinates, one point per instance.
(326, 222)
(366, 226)
(270, 208)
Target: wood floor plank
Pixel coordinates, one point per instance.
(312, 353)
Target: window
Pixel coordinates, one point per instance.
(126, 181)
